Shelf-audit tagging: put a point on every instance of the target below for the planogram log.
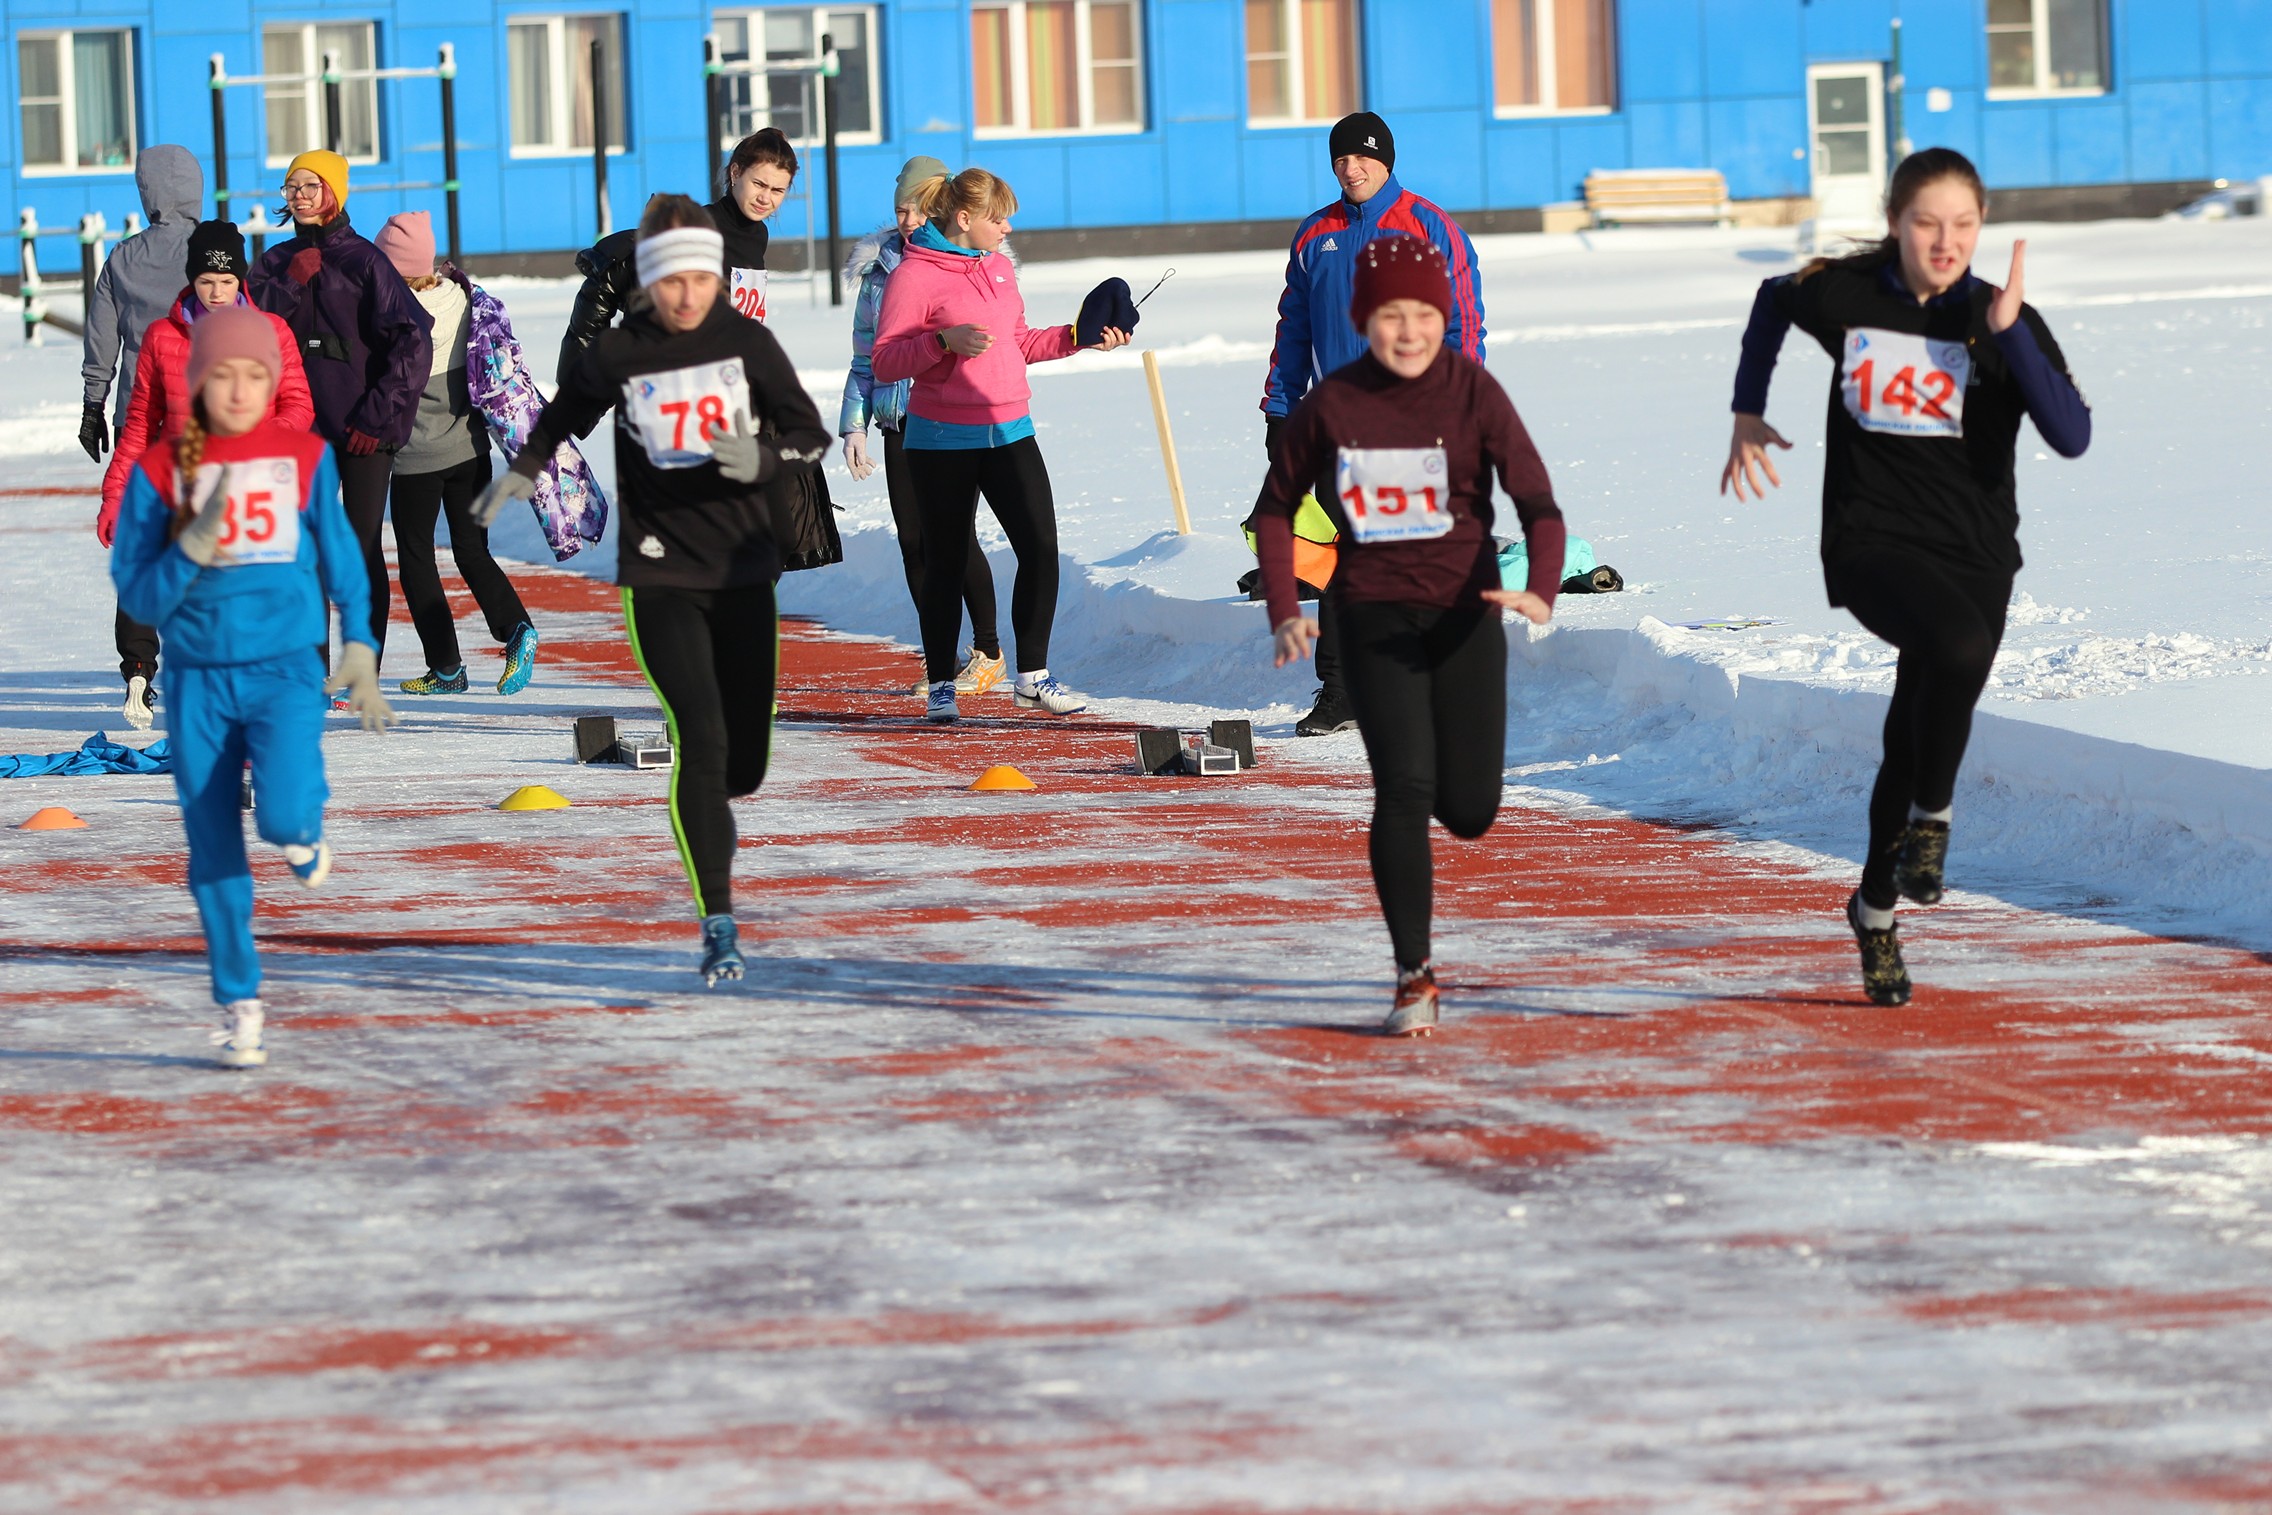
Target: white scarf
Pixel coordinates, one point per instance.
(446, 303)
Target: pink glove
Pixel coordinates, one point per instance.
(361, 444)
(106, 522)
(305, 265)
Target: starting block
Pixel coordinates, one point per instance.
(1225, 747)
(597, 741)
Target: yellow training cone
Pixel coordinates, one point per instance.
(532, 797)
(1002, 776)
(56, 818)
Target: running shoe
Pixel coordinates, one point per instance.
(520, 660)
(137, 708)
(237, 1043)
(310, 865)
(981, 673)
(1416, 1007)
(1331, 713)
(940, 708)
(1924, 858)
(432, 681)
(1884, 977)
(1050, 694)
(923, 676)
(721, 949)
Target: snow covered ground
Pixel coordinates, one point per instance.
(2124, 758)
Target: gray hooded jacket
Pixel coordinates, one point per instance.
(139, 280)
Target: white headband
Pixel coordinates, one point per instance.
(681, 250)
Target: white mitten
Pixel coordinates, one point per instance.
(200, 540)
(506, 486)
(737, 452)
(359, 675)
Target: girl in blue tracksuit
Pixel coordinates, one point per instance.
(229, 543)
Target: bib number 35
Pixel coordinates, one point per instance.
(262, 523)
(1900, 384)
(1394, 494)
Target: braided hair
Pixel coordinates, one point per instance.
(189, 456)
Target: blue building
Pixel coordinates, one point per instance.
(1199, 120)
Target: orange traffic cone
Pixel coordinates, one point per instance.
(56, 818)
(1002, 776)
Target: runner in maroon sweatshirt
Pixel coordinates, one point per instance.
(1400, 447)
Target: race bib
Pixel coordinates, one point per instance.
(1904, 385)
(674, 414)
(1394, 494)
(747, 286)
(263, 520)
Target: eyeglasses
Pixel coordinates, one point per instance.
(304, 191)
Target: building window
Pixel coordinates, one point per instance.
(1301, 61)
(295, 111)
(2046, 47)
(1554, 56)
(550, 63)
(792, 102)
(1056, 66)
(76, 94)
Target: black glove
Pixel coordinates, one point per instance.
(94, 432)
(1109, 304)
(1271, 426)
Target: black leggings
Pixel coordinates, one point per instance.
(137, 647)
(1015, 481)
(1430, 690)
(977, 576)
(418, 499)
(712, 656)
(1948, 627)
(363, 491)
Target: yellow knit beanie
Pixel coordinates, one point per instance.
(327, 166)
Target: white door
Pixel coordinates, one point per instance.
(1846, 127)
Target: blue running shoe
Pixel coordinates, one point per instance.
(310, 865)
(520, 660)
(435, 681)
(721, 949)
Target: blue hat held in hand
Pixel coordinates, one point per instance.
(1109, 304)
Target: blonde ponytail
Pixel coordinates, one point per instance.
(974, 190)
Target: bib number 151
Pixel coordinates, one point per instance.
(1394, 494)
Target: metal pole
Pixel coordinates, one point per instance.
(449, 72)
(713, 114)
(331, 105)
(599, 140)
(830, 64)
(27, 231)
(90, 239)
(217, 80)
(1896, 87)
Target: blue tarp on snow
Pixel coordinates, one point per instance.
(97, 754)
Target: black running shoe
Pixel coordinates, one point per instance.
(1884, 978)
(1924, 857)
(1330, 714)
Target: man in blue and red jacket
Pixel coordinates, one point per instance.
(1315, 335)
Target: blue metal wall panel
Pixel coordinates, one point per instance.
(1705, 82)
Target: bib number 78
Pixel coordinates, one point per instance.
(710, 418)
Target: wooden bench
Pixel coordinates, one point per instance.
(1624, 196)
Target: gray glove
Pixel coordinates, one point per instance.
(737, 452)
(200, 540)
(359, 675)
(506, 486)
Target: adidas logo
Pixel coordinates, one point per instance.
(1329, 246)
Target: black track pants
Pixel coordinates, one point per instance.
(1015, 481)
(1948, 627)
(418, 499)
(1430, 690)
(363, 491)
(711, 655)
(137, 647)
(907, 520)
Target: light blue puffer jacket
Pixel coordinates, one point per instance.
(864, 401)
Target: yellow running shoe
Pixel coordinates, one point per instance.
(981, 673)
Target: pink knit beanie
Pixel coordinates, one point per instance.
(233, 331)
(408, 242)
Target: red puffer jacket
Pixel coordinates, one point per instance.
(160, 402)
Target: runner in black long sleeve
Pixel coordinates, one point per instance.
(1920, 520)
(1402, 445)
(691, 382)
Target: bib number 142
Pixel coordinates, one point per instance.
(1901, 384)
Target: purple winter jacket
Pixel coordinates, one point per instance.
(365, 340)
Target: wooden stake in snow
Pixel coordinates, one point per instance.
(1167, 442)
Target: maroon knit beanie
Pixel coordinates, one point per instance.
(1400, 268)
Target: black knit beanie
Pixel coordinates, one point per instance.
(217, 247)
(1365, 135)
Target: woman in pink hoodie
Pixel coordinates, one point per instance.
(953, 321)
